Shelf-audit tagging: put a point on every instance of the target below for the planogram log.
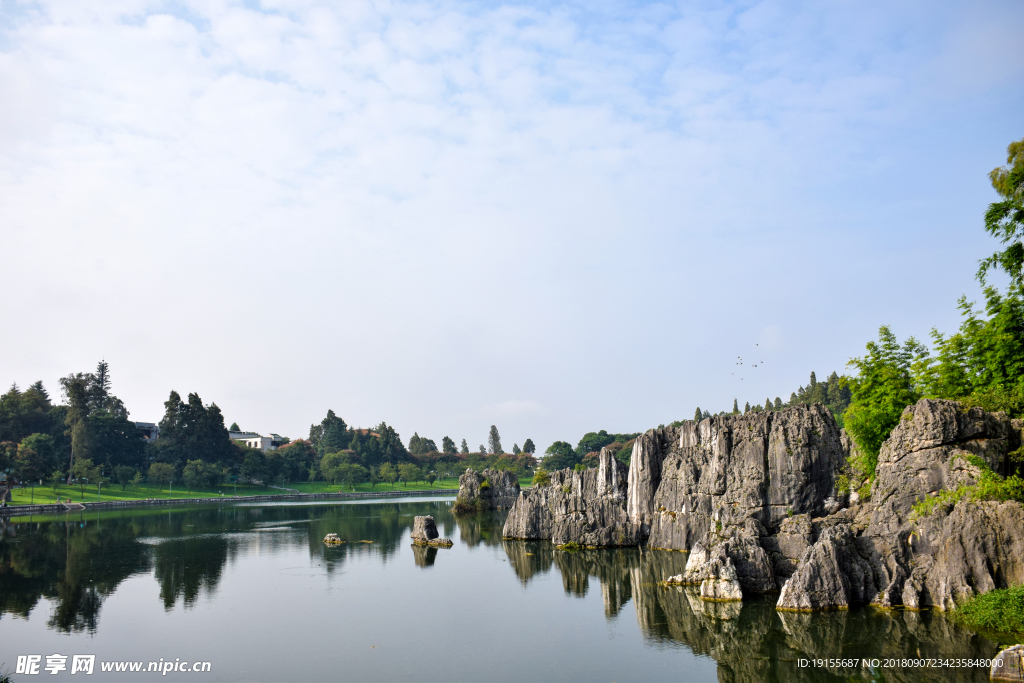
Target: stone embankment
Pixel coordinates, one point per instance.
(50, 508)
(762, 503)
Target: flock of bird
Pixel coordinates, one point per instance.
(739, 361)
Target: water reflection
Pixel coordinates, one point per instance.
(184, 566)
(76, 562)
(480, 527)
(751, 640)
(423, 555)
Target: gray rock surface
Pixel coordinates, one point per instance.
(832, 574)
(958, 551)
(755, 498)
(588, 508)
(495, 489)
(5, 494)
(424, 528)
(645, 470)
(1008, 665)
(727, 469)
(732, 554)
(886, 553)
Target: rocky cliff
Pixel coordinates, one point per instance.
(587, 508)
(757, 499)
(487, 490)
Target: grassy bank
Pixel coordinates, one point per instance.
(45, 494)
(323, 487)
(1000, 611)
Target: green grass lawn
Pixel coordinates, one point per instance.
(45, 494)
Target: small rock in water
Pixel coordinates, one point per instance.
(332, 539)
(424, 528)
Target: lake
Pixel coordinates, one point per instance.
(253, 590)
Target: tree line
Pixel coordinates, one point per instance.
(89, 438)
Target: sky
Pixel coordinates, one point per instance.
(551, 217)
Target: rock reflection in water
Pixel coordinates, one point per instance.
(751, 640)
(480, 527)
(529, 558)
(423, 555)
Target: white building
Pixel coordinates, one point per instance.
(257, 441)
(150, 431)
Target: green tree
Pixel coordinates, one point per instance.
(431, 477)
(191, 430)
(331, 435)
(883, 387)
(593, 441)
(76, 394)
(25, 412)
(768, 404)
(123, 475)
(332, 465)
(448, 446)
(984, 361)
(465, 447)
(161, 473)
(778, 403)
(560, 455)
(85, 473)
(541, 477)
(1004, 219)
(35, 457)
(56, 479)
(254, 466)
(354, 474)
(198, 474)
(409, 472)
(234, 427)
(697, 415)
(528, 446)
(494, 441)
(515, 449)
(388, 473)
(746, 408)
(138, 479)
(735, 407)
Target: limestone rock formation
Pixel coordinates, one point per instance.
(5, 495)
(831, 575)
(333, 539)
(487, 490)
(645, 468)
(883, 552)
(727, 469)
(733, 555)
(945, 557)
(424, 532)
(757, 498)
(587, 508)
(1008, 665)
(424, 528)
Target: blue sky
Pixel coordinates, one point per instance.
(553, 217)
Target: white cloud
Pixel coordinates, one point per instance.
(407, 210)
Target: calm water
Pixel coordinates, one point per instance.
(253, 590)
